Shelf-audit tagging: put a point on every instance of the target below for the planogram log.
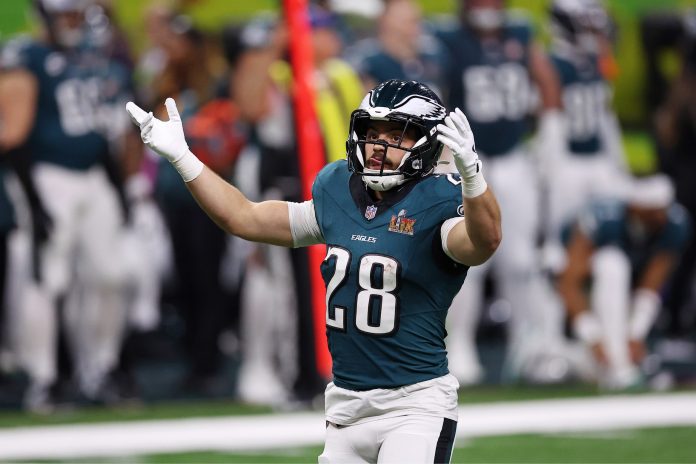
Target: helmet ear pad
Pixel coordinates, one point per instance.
(572, 20)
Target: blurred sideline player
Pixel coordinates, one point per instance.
(403, 49)
(592, 161)
(261, 82)
(61, 100)
(495, 67)
(626, 251)
(267, 168)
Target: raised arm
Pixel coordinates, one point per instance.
(475, 239)
(19, 91)
(266, 221)
(571, 282)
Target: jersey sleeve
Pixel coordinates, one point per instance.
(451, 213)
(677, 232)
(18, 54)
(602, 223)
(322, 182)
(445, 230)
(303, 224)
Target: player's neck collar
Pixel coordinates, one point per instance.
(362, 196)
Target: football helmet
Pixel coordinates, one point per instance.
(578, 22)
(482, 16)
(416, 107)
(63, 20)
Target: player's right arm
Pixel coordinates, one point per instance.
(571, 289)
(267, 221)
(19, 91)
(572, 278)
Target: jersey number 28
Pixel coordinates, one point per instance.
(376, 304)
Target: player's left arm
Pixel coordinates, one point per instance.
(545, 77)
(646, 300)
(475, 239)
(551, 131)
(19, 90)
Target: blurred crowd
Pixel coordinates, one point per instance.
(107, 263)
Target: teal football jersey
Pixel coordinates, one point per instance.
(606, 223)
(585, 96)
(491, 83)
(81, 97)
(388, 282)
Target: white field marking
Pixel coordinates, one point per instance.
(244, 433)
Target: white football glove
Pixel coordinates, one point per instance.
(456, 134)
(167, 138)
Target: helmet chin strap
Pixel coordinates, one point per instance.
(382, 183)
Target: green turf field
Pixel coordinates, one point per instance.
(181, 409)
(670, 445)
(665, 445)
(649, 445)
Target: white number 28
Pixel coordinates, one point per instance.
(374, 286)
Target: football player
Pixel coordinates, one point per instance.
(628, 250)
(403, 49)
(56, 102)
(398, 249)
(591, 162)
(496, 69)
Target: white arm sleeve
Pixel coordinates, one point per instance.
(444, 233)
(303, 224)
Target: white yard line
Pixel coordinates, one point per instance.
(240, 433)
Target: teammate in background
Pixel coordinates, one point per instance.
(495, 66)
(401, 50)
(61, 98)
(268, 169)
(592, 162)
(398, 250)
(627, 251)
(198, 245)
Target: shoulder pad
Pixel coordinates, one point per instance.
(14, 53)
(331, 172)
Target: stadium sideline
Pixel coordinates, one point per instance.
(265, 432)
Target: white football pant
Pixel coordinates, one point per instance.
(402, 439)
(575, 182)
(84, 244)
(610, 300)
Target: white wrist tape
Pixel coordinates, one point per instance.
(189, 166)
(586, 328)
(646, 306)
(473, 184)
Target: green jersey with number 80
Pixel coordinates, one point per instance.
(388, 281)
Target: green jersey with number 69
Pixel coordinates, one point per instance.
(79, 105)
(388, 281)
(491, 82)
